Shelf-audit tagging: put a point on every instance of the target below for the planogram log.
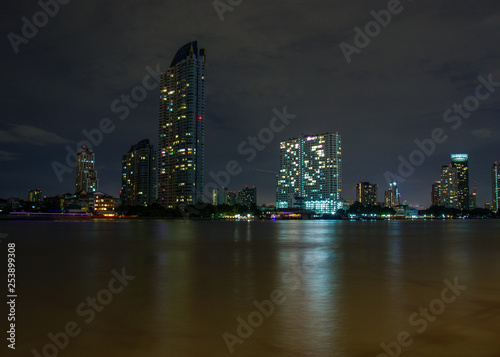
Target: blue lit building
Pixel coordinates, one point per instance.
(310, 175)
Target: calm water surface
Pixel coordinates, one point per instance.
(345, 287)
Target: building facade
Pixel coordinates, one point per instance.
(495, 187)
(35, 196)
(247, 196)
(86, 175)
(436, 193)
(392, 195)
(310, 174)
(366, 193)
(139, 175)
(449, 187)
(181, 128)
(220, 196)
(461, 163)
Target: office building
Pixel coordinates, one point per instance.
(139, 175)
(461, 163)
(495, 187)
(366, 193)
(35, 196)
(310, 173)
(181, 128)
(86, 176)
(247, 196)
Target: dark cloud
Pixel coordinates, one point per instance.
(264, 55)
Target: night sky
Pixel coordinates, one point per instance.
(263, 55)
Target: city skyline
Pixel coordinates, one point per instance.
(397, 90)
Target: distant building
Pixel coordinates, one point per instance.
(220, 196)
(473, 198)
(487, 205)
(100, 202)
(181, 128)
(366, 193)
(495, 187)
(232, 198)
(14, 203)
(436, 193)
(392, 195)
(247, 196)
(139, 175)
(310, 174)
(449, 187)
(461, 163)
(86, 176)
(35, 196)
(97, 202)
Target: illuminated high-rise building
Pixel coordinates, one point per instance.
(366, 193)
(392, 195)
(473, 198)
(35, 196)
(220, 196)
(232, 198)
(86, 176)
(311, 173)
(495, 186)
(461, 163)
(436, 193)
(181, 128)
(139, 175)
(247, 196)
(449, 187)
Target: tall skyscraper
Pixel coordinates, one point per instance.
(366, 193)
(139, 175)
(392, 195)
(449, 187)
(86, 176)
(461, 163)
(495, 186)
(436, 194)
(181, 128)
(311, 173)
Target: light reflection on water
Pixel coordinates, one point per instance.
(348, 286)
